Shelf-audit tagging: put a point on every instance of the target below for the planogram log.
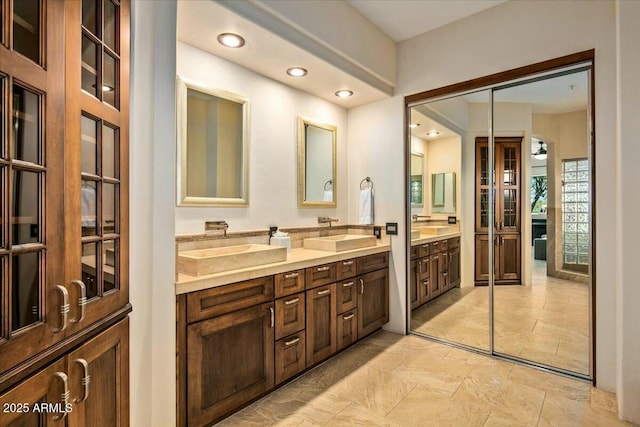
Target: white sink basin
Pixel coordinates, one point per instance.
(339, 243)
(215, 260)
(433, 230)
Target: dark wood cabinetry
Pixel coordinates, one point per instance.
(230, 360)
(507, 207)
(64, 173)
(239, 341)
(434, 270)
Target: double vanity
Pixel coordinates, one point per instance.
(252, 316)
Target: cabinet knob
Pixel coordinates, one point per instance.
(82, 300)
(64, 308)
(86, 379)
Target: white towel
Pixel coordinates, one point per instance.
(366, 206)
(328, 196)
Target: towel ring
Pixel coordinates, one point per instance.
(364, 181)
(330, 184)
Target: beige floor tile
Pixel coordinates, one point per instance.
(551, 384)
(605, 400)
(498, 420)
(560, 411)
(356, 415)
(421, 409)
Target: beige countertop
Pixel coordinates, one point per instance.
(296, 259)
(428, 239)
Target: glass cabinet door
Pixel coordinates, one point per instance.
(96, 147)
(34, 310)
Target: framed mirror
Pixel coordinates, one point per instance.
(417, 180)
(213, 146)
(317, 178)
(443, 192)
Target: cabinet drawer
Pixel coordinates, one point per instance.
(289, 283)
(346, 298)
(373, 262)
(454, 243)
(347, 328)
(345, 269)
(320, 275)
(424, 250)
(226, 299)
(289, 315)
(423, 268)
(439, 246)
(414, 252)
(290, 356)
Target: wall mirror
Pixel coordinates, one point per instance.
(317, 182)
(417, 180)
(213, 146)
(443, 192)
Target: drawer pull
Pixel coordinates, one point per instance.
(444, 273)
(322, 268)
(349, 317)
(435, 257)
(419, 266)
(272, 314)
(347, 262)
(426, 246)
(86, 380)
(291, 276)
(293, 301)
(361, 286)
(326, 291)
(347, 285)
(292, 342)
(425, 282)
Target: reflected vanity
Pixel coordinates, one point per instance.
(213, 146)
(317, 180)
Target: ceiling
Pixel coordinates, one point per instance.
(200, 22)
(404, 19)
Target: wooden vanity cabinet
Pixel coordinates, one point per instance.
(321, 323)
(230, 361)
(346, 298)
(435, 270)
(373, 301)
(454, 262)
(346, 269)
(289, 283)
(291, 356)
(320, 275)
(290, 315)
(414, 280)
(347, 328)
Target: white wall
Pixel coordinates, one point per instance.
(628, 232)
(152, 238)
(273, 147)
(443, 155)
(507, 36)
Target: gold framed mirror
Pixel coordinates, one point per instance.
(212, 146)
(317, 171)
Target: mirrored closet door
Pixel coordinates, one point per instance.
(500, 252)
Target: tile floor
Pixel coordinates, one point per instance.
(394, 380)
(547, 322)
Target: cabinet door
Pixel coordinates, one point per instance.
(373, 301)
(443, 270)
(230, 360)
(454, 267)
(346, 269)
(509, 257)
(289, 315)
(482, 186)
(33, 309)
(96, 193)
(290, 356)
(45, 387)
(99, 379)
(508, 189)
(321, 323)
(320, 275)
(482, 257)
(434, 276)
(414, 279)
(289, 283)
(347, 328)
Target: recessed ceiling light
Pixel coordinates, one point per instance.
(433, 133)
(297, 72)
(414, 125)
(230, 40)
(344, 93)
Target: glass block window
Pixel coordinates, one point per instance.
(575, 211)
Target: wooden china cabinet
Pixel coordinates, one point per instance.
(64, 294)
(508, 210)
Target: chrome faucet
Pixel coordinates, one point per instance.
(326, 219)
(216, 225)
(415, 217)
